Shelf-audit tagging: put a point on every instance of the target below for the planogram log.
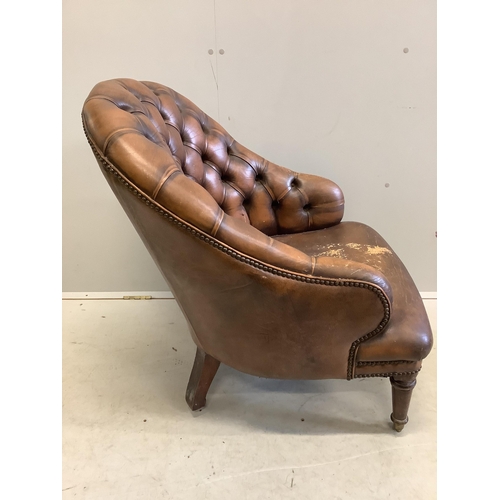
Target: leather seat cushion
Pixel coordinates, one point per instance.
(408, 335)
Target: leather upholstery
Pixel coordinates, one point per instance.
(408, 334)
(165, 128)
(271, 282)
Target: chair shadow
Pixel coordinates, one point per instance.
(266, 404)
(281, 406)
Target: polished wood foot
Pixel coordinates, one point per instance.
(204, 369)
(402, 387)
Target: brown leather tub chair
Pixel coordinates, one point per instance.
(271, 282)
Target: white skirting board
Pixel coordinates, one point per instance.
(114, 295)
(153, 295)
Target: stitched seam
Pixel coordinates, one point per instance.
(224, 194)
(217, 224)
(257, 264)
(116, 132)
(236, 188)
(269, 190)
(171, 124)
(147, 101)
(193, 147)
(106, 98)
(162, 181)
(306, 199)
(246, 161)
(266, 167)
(212, 166)
(283, 193)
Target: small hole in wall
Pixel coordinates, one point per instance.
(405, 50)
(387, 184)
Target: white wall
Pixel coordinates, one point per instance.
(322, 87)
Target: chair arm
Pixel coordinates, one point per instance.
(332, 267)
(324, 200)
(253, 243)
(304, 202)
(301, 202)
(278, 324)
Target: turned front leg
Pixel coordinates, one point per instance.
(402, 387)
(204, 369)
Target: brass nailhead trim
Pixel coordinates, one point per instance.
(369, 375)
(284, 274)
(381, 363)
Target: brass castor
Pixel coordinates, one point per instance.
(398, 425)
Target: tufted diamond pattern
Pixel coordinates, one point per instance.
(245, 186)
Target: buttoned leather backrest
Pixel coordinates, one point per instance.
(165, 145)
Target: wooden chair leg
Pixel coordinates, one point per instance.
(402, 387)
(204, 369)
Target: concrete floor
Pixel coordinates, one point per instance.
(128, 433)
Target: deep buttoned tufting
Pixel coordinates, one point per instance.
(172, 136)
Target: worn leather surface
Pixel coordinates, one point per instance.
(228, 230)
(408, 335)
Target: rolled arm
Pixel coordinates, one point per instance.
(253, 243)
(324, 200)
